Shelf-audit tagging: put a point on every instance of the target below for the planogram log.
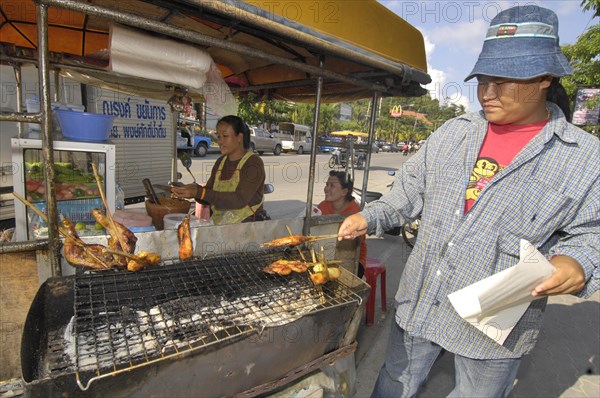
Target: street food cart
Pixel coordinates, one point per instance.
(214, 325)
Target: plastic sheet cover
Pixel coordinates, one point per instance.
(135, 53)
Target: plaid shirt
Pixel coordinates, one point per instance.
(549, 195)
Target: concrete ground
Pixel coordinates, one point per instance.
(564, 363)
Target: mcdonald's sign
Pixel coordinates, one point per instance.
(396, 111)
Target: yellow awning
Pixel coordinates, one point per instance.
(363, 23)
(355, 39)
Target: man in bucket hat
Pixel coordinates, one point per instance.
(482, 182)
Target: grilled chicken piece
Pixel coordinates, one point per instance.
(186, 247)
(119, 232)
(298, 266)
(279, 269)
(319, 278)
(292, 240)
(92, 256)
(285, 267)
(144, 258)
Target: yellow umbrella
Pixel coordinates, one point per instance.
(346, 133)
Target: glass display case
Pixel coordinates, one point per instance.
(77, 192)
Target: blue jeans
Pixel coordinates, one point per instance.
(409, 359)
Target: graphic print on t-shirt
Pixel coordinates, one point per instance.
(500, 145)
(485, 169)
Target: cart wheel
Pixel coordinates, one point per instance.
(332, 162)
(410, 231)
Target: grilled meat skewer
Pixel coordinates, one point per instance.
(84, 255)
(295, 240)
(118, 234)
(186, 247)
(292, 240)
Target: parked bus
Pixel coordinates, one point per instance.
(294, 137)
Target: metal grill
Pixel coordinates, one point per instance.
(126, 320)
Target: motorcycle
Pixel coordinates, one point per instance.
(408, 230)
(339, 159)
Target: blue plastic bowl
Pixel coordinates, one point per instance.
(84, 126)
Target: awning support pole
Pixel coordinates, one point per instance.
(47, 146)
(58, 87)
(313, 155)
(369, 148)
(19, 81)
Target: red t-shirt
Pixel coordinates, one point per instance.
(500, 145)
(352, 207)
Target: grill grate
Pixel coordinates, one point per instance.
(126, 320)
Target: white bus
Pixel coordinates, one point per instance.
(294, 137)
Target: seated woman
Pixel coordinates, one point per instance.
(339, 200)
(235, 189)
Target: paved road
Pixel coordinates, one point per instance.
(289, 173)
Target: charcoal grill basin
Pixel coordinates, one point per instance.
(225, 368)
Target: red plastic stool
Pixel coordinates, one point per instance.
(372, 270)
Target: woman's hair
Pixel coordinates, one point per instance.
(558, 95)
(345, 181)
(238, 126)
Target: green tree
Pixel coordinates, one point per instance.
(328, 116)
(584, 59)
(591, 5)
(405, 128)
(269, 113)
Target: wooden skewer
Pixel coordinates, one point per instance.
(66, 235)
(322, 237)
(297, 247)
(108, 215)
(60, 229)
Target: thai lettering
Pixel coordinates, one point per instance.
(141, 130)
(117, 109)
(151, 112)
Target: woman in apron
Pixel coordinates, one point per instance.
(235, 189)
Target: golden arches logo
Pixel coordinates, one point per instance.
(396, 111)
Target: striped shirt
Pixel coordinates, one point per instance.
(549, 195)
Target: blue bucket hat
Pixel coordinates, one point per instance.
(522, 43)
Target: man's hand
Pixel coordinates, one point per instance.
(353, 226)
(568, 278)
(188, 191)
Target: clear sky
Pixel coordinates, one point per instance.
(454, 33)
